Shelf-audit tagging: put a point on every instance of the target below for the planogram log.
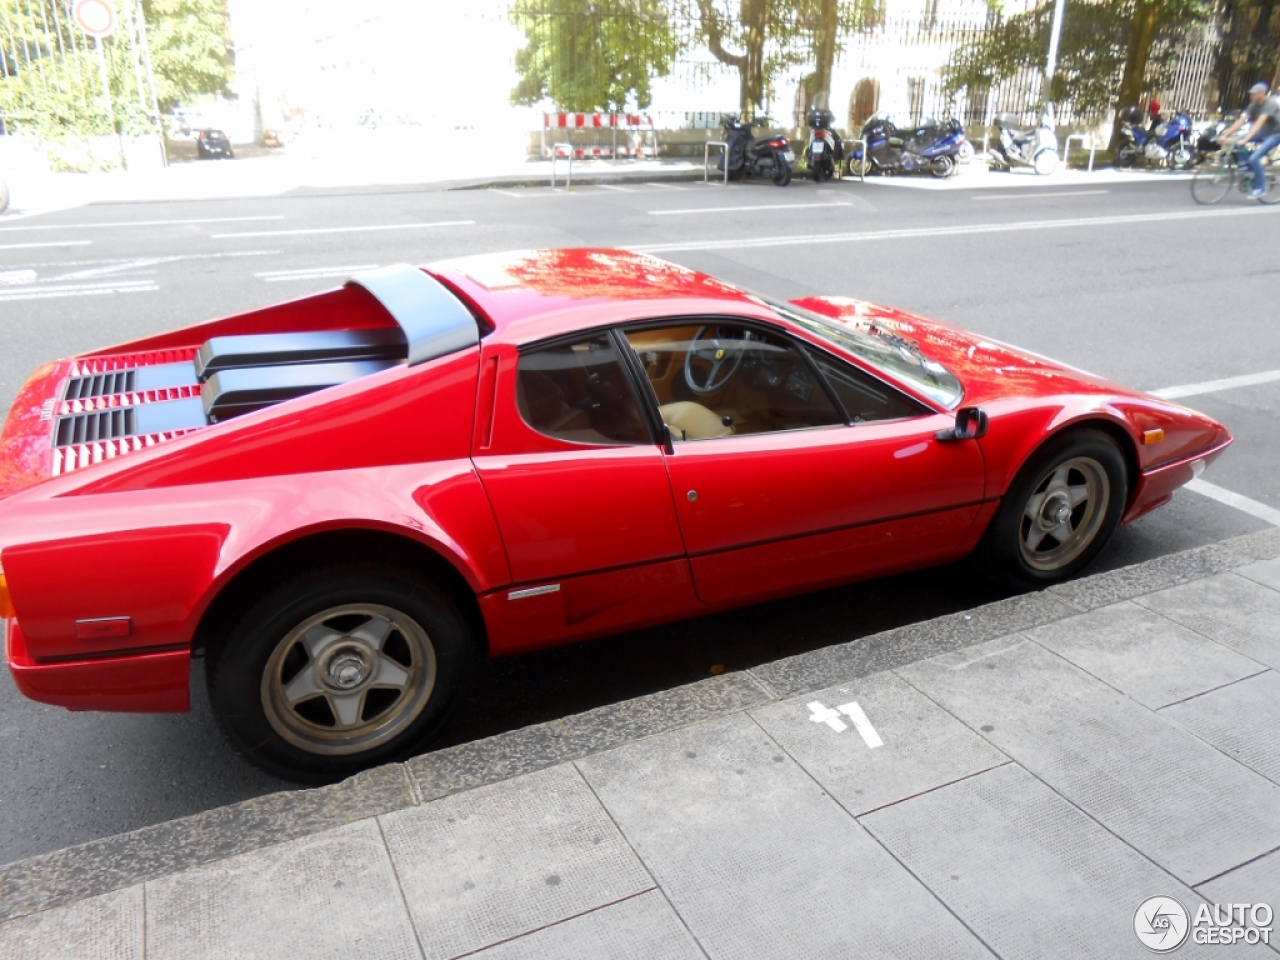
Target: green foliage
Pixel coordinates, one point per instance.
(592, 54)
(764, 38)
(1094, 49)
(191, 49)
(51, 73)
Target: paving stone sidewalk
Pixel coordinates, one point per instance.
(1013, 782)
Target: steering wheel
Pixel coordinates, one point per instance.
(716, 349)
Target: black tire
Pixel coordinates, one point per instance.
(1213, 181)
(781, 174)
(1126, 156)
(1023, 551)
(816, 170)
(307, 652)
(942, 167)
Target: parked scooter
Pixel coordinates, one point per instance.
(770, 158)
(825, 151)
(934, 146)
(1169, 143)
(1020, 146)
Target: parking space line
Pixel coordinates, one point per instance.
(32, 246)
(382, 226)
(313, 273)
(761, 206)
(970, 229)
(609, 186)
(1232, 499)
(508, 193)
(1032, 196)
(136, 223)
(1213, 386)
(664, 186)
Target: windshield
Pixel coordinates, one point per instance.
(895, 355)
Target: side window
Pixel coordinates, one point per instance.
(721, 379)
(864, 397)
(579, 392)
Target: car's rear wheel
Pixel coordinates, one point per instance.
(339, 669)
(1059, 512)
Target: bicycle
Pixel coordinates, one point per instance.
(1229, 166)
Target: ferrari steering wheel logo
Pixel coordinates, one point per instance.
(720, 354)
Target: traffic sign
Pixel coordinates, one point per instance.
(97, 18)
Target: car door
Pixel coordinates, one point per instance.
(580, 492)
(793, 469)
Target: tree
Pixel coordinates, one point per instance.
(191, 50)
(592, 54)
(764, 37)
(1111, 51)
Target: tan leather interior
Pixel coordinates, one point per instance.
(692, 421)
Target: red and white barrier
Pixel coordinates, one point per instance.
(625, 122)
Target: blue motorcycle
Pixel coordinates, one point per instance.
(1168, 143)
(934, 146)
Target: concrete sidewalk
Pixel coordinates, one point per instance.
(1014, 781)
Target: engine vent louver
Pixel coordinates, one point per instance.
(100, 385)
(94, 427)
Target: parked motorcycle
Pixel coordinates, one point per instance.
(825, 151)
(1020, 146)
(934, 146)
(1207, 137)
(1169, 143)
(770, 158)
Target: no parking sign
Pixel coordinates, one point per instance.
(97, 18)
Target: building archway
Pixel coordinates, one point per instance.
(863, 102)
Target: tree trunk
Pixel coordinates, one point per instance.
(818, 84)
(1146, 19)
(753, 16)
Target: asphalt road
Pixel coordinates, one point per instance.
(1130, 281)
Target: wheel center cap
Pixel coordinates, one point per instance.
(1056, 512)
(346, 669)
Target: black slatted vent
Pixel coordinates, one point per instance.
(100, 385)
(93, 427)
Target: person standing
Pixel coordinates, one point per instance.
(1264, 112)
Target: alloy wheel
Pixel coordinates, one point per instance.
(1064, 513)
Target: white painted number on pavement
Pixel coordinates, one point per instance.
(819, 713)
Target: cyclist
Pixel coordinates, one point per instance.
(1264, 111)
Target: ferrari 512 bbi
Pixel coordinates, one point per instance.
(344, 501)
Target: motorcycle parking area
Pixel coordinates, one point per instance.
(1016, 781)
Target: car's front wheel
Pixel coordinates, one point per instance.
(339, 669)
(1059, 512)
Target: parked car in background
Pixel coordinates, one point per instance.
(213, 143)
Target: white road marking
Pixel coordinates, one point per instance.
(508, 193)
(977, 228)
(861, 724)
(609, 186)
(1252, 507)
(17, 276)
(819, 713)
(1213, 386)
(762, 206)
(317, 273)
(1032, 196)
(79, 290)
(32, 246)
(134, 223)
(381, 226)
(664, 186)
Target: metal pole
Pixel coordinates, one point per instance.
(106, 99)
(1051, 64)
(151, 82)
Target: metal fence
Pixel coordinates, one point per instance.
(56, 79)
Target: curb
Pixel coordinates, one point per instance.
(100, 866)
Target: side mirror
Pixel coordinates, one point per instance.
(971, 424)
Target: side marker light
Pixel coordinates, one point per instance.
(1152, 436)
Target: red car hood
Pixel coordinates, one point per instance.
(987, 369)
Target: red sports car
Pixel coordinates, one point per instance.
(343, 501)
